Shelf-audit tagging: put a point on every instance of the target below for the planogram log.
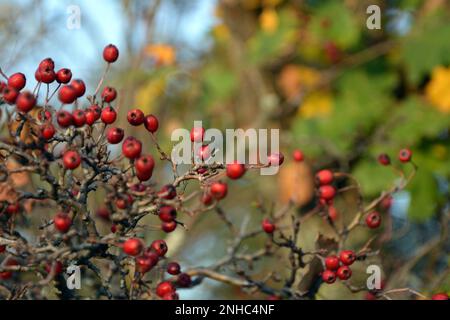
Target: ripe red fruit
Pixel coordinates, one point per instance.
(347, 257)
(165, 288)
(332, 262)
(47, 63)
(144, 167)
(5, 275)
(298, 155)
(47, 131)
(386, 203)
(44, 115)
(96, 109)
(103, 213)
(108, 115)
(197, 134)
(160, 247)
(171, 296)
(173, 268)
(373, 220)
(328, 276)
(91, 117)
(276, 159)
(206, 198)
(46, 75)
(405, 155)
(124, 201)
(10, 94)
(57, 267)
(109, 94)
(79, 87)
(344, 273)
(62, 222)
(13, 208)
(384, 159)
(71, 159)
(37, 75)
(324, 177)
(25, 101)
(131, 148)
(64, 118)
(67, 94)
(63, 75)
(135, 117)
(3, 86)
(110, 53)
(440, 296)
(184, 280)
(79, 118)
(204, 153)
(167, 213)
(114, 135)
(219, 190)
(151, 123)
(332, 213)
(168, 226)
(327, 192)
(144, 264)
(268, 226)
(168, 192)
(132, 246)
(235, 170)
(17, 81)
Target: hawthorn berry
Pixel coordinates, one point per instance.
(79, 118)
(203, 152)
(167, 213)
(168, 226)
(151, 123)
(25, 101)
(96, 109)
(344, 273)
(144, 167)
(171, 296)
(124, 201)
(103, 213)
(206, 198)
(384, 159)
(109, 94)
(62, 222)
(328, 276)
(79, 87)
(235, 170)
(110, 53)
(37, 75)
(17, 81)
(386, 203)
(46, 75)
(64, 118)
(63, 75)
(373, 219)
(3, 86)
(405, 155)
(219, 190)
(276, 159)
(327, 192)
(131, 148)
(91, 117)
(168, 192)
(440, 296)
(324, 177)
(160, 247)
(67, 94)
(152, 255)
(332, 262)
(184, 280)
(71, 159)
(347, 257)
(135, 117)
(298, 155)
(10, 94)
(165, 288)
(13, 208)
(114, 135)
(47, 63)
(268, 226)
(132, 246)
(44, 115)
(47, 131)
(332, 213)
(173, 268)
(146, 263)
(108, 115)
(197, 134)
(56, 267)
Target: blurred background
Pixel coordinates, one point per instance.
(340, 92)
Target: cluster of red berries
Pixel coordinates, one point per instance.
(338, 267)
(404, 155)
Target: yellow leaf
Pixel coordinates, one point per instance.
(268, 20)
(316, 104)
(162, 54)
(437, 90)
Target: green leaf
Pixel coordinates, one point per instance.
(424, 195)
(373, 177)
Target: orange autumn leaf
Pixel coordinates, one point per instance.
(17, 179)
(162, 54)
(296, 183)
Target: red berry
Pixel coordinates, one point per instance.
(131, 148)
(96, 109)
(124, 201)
(373, 220)
(347, 257)
(56, 266)
(327, 192)
(5, 275)
(386, 203)
(184, 280)
(79, 86)
(144, 167)
(46, 75)
(47, 131)
(168, 226)
(328, 276)
(17, 81)
(110, 53)
(47, 63)
(344, 273)
(440, 296)
(37, 75)
(109, 94)
(79, 118)
(405, 155)
(171, 296)
(132, 246)
(332, 213)
(206, 198)
(114, 135)
(71, 159)
(165, 288)
(298, 155)
(332, 262)
(10, 94)
(13, 208)
(103, 213)
(173, 268)
(160, 247)
(268, 226)
(91, 117)
(324, 177)
(276, 159)
(25, 101)
(167, 213)
(204, 153)
(151, 123)
(64, 118)
(63, 75)
(146, 262)
(235, 170)
(3, 86)
(168, 192)
(67, 94)
(44, 115)
(108, 115)
(384, 159)
(62, 222)
(135, 117)
(197, 134)
(219, 190)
